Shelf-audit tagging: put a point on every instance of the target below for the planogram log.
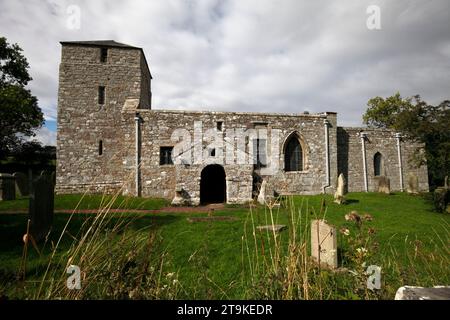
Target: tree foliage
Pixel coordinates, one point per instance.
(419, 122)
(20, 114)
(32, 152)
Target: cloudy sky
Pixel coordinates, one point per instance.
(249, 55)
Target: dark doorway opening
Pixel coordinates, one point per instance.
(212, 184)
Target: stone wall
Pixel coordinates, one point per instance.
(350, 159)
(158, 180)
(146, 88)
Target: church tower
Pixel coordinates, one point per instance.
(97, 81)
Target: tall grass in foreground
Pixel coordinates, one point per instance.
(279, 265)
(116, 261)
(119, 261)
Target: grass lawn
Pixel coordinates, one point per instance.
(210, 258)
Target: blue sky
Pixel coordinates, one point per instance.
(248, 55)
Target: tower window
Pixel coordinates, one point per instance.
(219, 125)
(103, 54)
(100, 147)
(293, 155)
(101, 95)
(165, 155)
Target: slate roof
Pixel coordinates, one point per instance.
(101, 43)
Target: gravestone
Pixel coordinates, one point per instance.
(41, 207)
(324, 243)
(7, 187)
(384, 185)
(339, 195)
(272, 228)
(413, 184)
(209, 219)
(179, 199)
(441, 199)
(262, 193)
(421, 293)
(22, 184)
(53, 177)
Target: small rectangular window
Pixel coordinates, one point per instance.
(100, 147)
(165, 155)
(103, 54)
(259, 151)
(219, 125)
(101, 95)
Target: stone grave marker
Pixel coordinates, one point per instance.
(324, 243)
(22, 184)
(384, 185)
(41, 207)
(272, 228)
(53, 177)
(262, 193)
(7, 187)
(413, 184)
(179, 199)
(339, 195)
(421, 293)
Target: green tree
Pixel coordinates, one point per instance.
(20, 114)
(419, 122)
(33, 153)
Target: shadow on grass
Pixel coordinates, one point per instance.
(13, 227)
(350, 201)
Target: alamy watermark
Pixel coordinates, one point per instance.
(373, 21)
(374, 277)
(74, 280)
(235, 146)
(73, 21)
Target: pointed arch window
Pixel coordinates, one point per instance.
(293, 155)
(377, 164)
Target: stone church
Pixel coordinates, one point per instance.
(110, 139)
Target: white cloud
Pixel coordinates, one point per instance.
(45, 136)
(258, 55)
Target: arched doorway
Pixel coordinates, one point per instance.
(212, 184)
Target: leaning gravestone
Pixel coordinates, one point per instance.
(41, 207)
(324, 243)
(22, 184)
(413, 184)
(7, 187)
(384, 185)
(262, 193)
(339, 195)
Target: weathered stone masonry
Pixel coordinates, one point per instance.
(97, 148)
